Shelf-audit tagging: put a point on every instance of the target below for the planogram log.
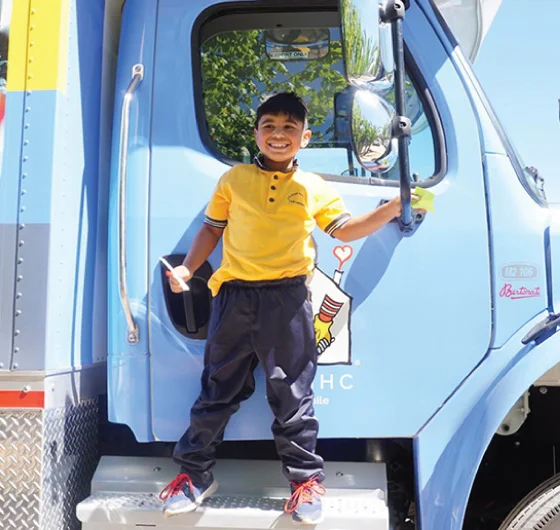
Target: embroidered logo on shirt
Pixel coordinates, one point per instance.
(297, 198)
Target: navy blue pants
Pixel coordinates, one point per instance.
(271, 323)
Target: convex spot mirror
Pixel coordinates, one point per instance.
(367, 45)
(372, 131)
(293, 44)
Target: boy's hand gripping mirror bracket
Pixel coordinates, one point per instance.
(417, 216)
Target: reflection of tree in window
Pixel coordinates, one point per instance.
(3, 54)
(236, 76)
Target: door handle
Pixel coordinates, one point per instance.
(132, 335)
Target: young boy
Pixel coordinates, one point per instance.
(261, 312)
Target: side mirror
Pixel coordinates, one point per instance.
(372, 132)
(372, 40)
(367, 46)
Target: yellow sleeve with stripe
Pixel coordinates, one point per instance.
(331, 213)
(217, 210)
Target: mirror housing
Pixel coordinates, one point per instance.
(372, 40)
(367, 48)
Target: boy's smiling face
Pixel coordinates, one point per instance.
(279, 138)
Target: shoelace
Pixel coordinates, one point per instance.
(303, 494)
(175, 486)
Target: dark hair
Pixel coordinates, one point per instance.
(283, 103)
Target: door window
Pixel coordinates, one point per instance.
(243, 59)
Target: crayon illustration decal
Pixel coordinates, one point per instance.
(331, 309)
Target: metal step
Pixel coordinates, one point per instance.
(251, 496)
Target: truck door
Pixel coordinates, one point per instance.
(409, 316)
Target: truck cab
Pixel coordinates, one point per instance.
(445, 320)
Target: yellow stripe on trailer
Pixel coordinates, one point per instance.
(17, 50)
(38, 52)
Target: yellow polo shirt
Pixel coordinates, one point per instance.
(268, 217)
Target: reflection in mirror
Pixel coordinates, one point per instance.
(367, 44)
(371, 120)
(289, 44)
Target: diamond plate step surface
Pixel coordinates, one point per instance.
(20, 468)
(251, 496)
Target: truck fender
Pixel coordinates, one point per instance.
(448, 450)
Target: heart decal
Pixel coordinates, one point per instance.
(343, 254)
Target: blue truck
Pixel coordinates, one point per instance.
(439, 372)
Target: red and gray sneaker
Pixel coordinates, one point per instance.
(182, 496)
(305, 503)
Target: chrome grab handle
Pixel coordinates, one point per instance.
(132, 335)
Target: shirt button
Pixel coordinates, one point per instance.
(275, 177)
(273, 187)
(271, 199)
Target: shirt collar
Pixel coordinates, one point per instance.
(259, 162)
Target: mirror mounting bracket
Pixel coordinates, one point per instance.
(401, 127)
(393, 10)
(416, 219)
(408, 230)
